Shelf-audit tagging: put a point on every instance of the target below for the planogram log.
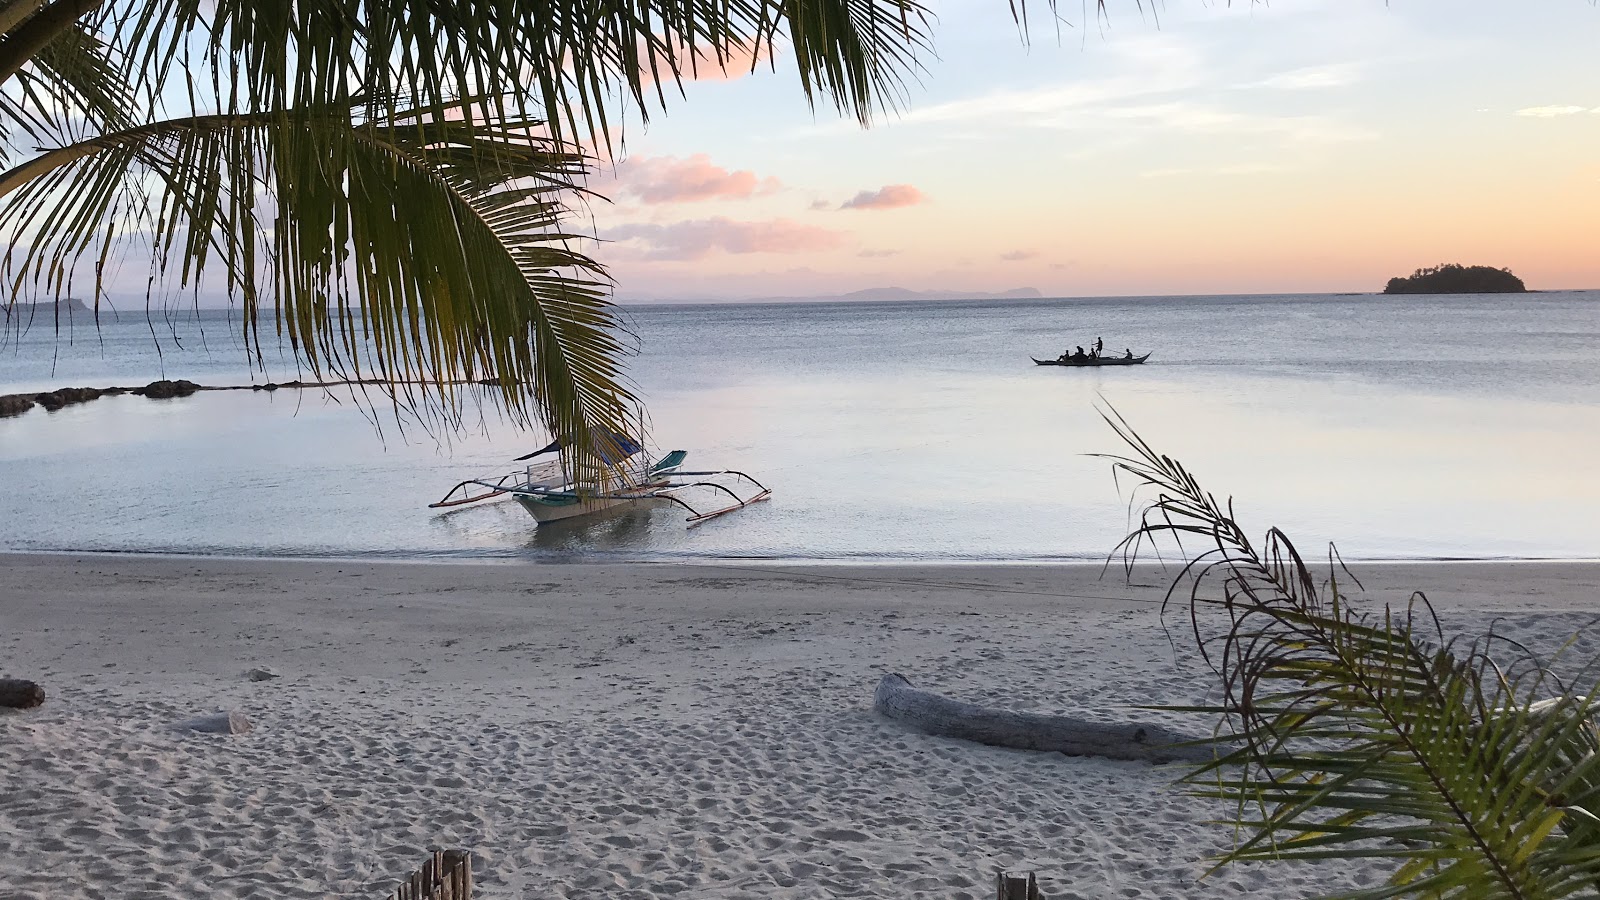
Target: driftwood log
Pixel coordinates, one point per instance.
(228, 721)
(19, 694)
(932, 714)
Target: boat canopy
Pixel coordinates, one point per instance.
(607, 450)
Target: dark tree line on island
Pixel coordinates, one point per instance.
(1454, 278)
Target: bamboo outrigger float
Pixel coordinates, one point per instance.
(549, 493)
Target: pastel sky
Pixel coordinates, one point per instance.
(1305, 146)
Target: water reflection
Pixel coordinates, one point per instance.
(617, 530)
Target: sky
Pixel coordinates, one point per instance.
(1305, 146)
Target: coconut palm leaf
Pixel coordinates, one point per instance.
(384, 177)
(169, 122)
(563, 62)
(71, 89)
(1367, 735)
(420, 253)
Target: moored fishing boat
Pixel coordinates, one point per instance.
(549, 492)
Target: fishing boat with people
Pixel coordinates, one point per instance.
(624, 475)
(1094, 356)
(1068, 360)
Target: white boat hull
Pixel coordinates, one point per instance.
(544, 510)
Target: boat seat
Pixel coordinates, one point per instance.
(669, 462)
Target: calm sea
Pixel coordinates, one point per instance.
(1440, 427)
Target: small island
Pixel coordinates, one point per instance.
(68, 306)
(1454, 278)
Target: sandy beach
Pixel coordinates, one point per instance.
(618, 731)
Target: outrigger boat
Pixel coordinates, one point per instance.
(1093, 360)
(549, 493)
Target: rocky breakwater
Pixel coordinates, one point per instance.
(17, 404)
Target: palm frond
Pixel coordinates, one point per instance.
(395, 141)
(69, 90)
(1370, 735)
(409, 251)
(565, 63)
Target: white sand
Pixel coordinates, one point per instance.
(613, 731)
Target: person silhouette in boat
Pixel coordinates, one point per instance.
(1127, 353)
(1098, 346)
(1079, 354)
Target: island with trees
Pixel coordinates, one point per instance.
(69, 306)
(1454, 278)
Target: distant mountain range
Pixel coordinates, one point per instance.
(887, 293)
(899, 293)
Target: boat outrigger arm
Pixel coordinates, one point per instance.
(498, 487)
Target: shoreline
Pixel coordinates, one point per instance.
(1467, 583)
(641, 730)
(603, 559)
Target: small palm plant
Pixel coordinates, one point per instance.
(1353, 735)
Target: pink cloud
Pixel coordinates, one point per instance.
(1019, 255)
(890, 196)
(698, 238)
(703, 65)
(667, 179)
(741, 61)
(876, 254)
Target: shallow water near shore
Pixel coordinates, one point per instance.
(1400, 427)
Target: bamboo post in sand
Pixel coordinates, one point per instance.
(446, 875)
(1016, 887)
(19, 694)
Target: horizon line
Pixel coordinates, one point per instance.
(839, 299)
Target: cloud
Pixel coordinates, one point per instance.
(878, 254)
(1019, 255)
(1153, 65)
(1130, 116)
(1312, 78)
(668, 179)
(890, 196)
(742, 61)
(702, 64)
(699, 238)
(1156, 86)
(821, 204)
(1199, 118)
(1234, 169)
(1551, 112)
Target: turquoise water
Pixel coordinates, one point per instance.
(1458, 427)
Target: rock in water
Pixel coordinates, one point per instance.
(163, 389)
(261, 673)
(56, 399)
(228, 722)
(15, 404)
